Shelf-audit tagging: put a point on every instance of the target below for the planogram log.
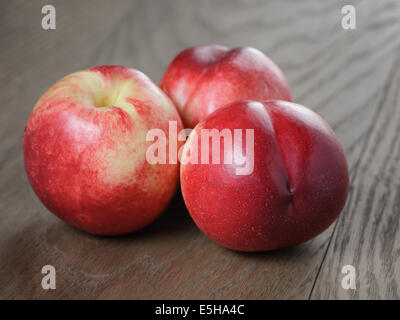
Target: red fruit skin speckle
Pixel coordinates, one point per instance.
(204, 78)
(297, 189)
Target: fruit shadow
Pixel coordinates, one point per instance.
(175, 223)
(302, 251)
(172, 222)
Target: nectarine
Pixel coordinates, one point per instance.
(295, 190)
(85, 150)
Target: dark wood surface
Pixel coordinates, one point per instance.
(350, 77)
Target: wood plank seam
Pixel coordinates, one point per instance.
(386, 89)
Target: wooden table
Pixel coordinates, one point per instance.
(350, 77)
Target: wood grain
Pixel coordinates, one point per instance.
(346, 76)
(367, 235)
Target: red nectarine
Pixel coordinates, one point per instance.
(296, 188)
(204, 78)
(85, 150)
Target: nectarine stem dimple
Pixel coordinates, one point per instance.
(289, 188)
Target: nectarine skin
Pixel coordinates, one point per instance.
(85, 145)
(297, 189)
(204, 78)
